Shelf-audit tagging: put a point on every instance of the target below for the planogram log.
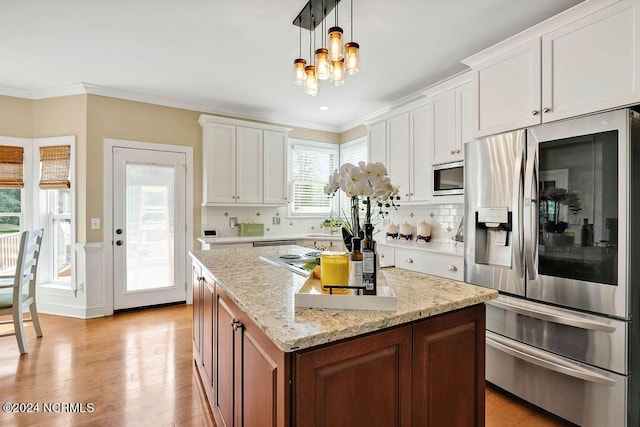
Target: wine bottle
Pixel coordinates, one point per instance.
(369, 261)
(355, 276)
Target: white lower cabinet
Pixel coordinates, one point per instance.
(436, 264)
(386, 256)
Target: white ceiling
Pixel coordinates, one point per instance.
(236, 56)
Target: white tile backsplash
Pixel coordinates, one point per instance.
(444, 220)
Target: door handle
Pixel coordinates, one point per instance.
(548, 361)
(119, 242)
(531, 223)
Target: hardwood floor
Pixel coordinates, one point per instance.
(135, 369)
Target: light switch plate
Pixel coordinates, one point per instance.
(95, 223)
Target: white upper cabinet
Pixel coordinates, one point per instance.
(275, 167)
(219, 163)
(399, 153)
(402, 144)
(592, 64)
(450, 121)
(248, 165)
(420, 164)
(507, 91)
(377, 142)
(242, 164)
(575, 63)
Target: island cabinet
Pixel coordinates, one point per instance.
(422, 372)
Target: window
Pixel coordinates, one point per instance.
(351, 152)
(56, 207)
(12, 210)
(59, 227)
(310, 166)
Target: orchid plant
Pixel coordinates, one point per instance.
(368, 181)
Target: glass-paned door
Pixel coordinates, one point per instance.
(149, 227)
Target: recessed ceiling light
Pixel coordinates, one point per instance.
(323, 108)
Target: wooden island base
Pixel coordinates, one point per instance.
(428, 372)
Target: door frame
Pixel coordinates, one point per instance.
(109, 144)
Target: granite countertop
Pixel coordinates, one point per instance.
(265, 293)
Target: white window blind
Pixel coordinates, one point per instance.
(351, 152)
(311, 165)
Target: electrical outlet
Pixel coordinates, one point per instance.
(95, 223)
(275, 220)
(233, 221)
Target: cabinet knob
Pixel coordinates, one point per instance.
(457, 151)
(546, 110)
(381, 255)
(409, 261)
(535, 112)
(236, 325)
(453, 268)
(452, 152)
(406, 194)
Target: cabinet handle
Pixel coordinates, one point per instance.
(409, 261)
(457, 151)
(381, 255)
(236, 325)
(546, 110)
(535, 112)
(452, 152)
(453, 268)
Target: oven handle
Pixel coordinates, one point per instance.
(560, 318)
(531, 223)
(550, 362)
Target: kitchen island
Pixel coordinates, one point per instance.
(264, 361)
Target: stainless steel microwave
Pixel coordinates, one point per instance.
(448, 179)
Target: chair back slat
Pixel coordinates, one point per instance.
(27, 264)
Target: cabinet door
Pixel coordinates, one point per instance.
(218, 163)
(275, 167)
(263, 382)
(592, 64)
(464, 118)
(420, 160)
(386, 256)
(377, 143)
(443, 126)
(507, 91)
(398, 152)
(224, 349)
(249, 165)
(361, 382)
(197, 312)
(448, 369)
(208, 308)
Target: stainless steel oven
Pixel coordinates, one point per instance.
(550, 224)
(448, 179)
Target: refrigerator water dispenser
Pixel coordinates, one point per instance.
(493, 229)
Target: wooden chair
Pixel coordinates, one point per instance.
(23, 286)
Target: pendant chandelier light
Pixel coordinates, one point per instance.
(332, 62)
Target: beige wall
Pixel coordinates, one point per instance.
(16, 117)
(315, 135)
(353, 133)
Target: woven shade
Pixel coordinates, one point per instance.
(55, 163)
(11, 170)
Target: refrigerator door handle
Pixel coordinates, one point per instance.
(517, 202)
(551, 315)
(548, 361)
(530, 209)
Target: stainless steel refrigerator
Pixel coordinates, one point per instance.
(550, 224)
